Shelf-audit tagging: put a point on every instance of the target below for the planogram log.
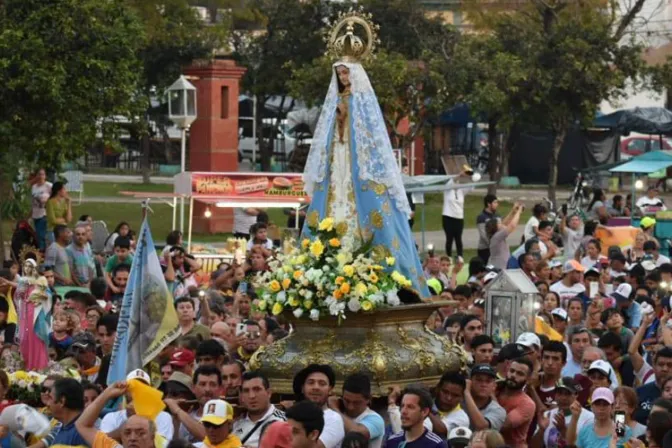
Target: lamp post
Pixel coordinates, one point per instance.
(182, 111)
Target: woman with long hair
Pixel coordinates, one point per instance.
(597, 209)
(122, 229)
(59, 209)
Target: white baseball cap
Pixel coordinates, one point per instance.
(622, 292)
(601, 366)
(217, 412)
(139, 374)
(529, 340)
(460, 434)
(560, 312)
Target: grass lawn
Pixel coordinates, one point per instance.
(98, 189)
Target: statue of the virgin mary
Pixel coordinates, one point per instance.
(351, 172)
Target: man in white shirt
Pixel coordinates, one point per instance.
(651, 249)
(243, 219)
(112, 422)
(651, 201)
(255, 397)
(354, 409)
(453, 215)
(570, 285)
(449, 394)
(572, 235)
(315, 383)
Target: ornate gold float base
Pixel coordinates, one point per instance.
(392, 346)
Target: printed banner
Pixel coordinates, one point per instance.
(147, 319)
(258, 186)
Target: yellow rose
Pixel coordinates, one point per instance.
(305, 243)
(317, 248)
(334, 242)
(360, 289)
(348, 270)
(340, 280)
(374, 278)
(345, 288)
(390, 261)
(275, 286)
(307, 304)
(286, 283)
(293, 301)
(327, 224)
(373, 288)
(277, 309)
(301, 259)
(297, 275)
(367, 306)
(262, 305)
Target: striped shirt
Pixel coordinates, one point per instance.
(427, 440)
(81, 263)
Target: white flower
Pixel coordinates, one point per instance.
(299, 312)
(22, 384)
(30, 388)
(336, 308)
(315, 314)
(377, 297)
(281, 297)
(392, 298)
(354, 305)
(326, 268)
(308, 294)
(266, 296)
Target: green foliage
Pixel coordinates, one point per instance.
(65, 66)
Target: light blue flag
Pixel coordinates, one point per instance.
(147, 319)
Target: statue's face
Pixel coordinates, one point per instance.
(28, 269)
(343, 73)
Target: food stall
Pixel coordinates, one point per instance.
(236, 190)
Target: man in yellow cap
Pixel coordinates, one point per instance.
(217, 419)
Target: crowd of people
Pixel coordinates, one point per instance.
(602, 378)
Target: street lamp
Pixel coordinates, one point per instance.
(182, 111)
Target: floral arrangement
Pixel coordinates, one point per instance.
(25, 387)
(321, 277)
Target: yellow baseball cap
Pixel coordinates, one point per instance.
(647, 222)
(217, 412)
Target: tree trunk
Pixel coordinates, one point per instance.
(145, 157)
(494, 155)
(558, 141)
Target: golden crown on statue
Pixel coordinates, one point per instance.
(342, 42)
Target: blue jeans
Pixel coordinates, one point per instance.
(41, 231)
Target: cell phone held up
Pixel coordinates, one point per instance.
(619, 422)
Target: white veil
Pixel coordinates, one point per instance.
(375, 158)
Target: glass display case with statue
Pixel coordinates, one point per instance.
(511, 303)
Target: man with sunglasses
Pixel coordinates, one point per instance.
(248, 342)
(66, 403)
(217, 418)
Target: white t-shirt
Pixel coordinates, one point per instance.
(334, 430)
(268, 245)
(453, 201)
(645, 201)
(242, 221)
(454, 419)
(567, 292)
(243, 425)
(661, 260)
(529, 228)
(552, 435)
(114, 420)
(40, 194)
(571, 240)
(588, 262)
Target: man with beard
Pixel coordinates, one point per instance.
(520, 408)
(416, 404)
(484, 412)
(207, 386)
(255, 397)
(470, 327)
(315, 383)
(354, 409)
(248, 342)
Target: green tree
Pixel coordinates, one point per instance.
(174, 37)
(573, 55)
(66, 68)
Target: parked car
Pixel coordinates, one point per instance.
(637, 144)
